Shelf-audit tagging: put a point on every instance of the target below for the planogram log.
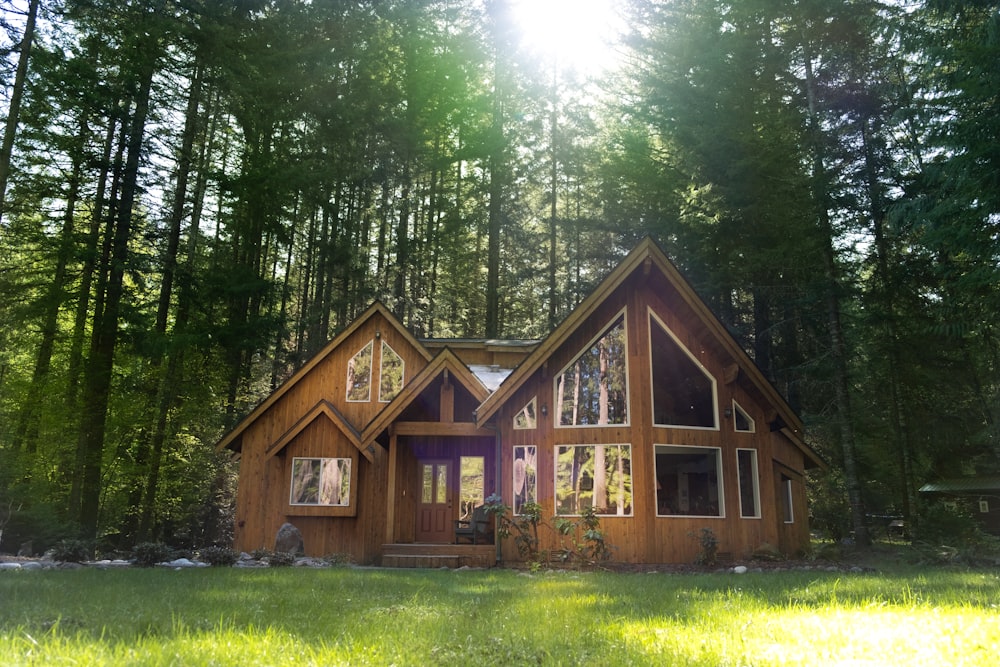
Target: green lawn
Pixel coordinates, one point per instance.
(346, 616)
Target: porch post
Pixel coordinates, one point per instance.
(498, 483)
(390, 512)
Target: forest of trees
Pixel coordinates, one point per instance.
(196, 194)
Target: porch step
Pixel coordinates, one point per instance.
(438, 555)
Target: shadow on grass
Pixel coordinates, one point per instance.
(450, 617)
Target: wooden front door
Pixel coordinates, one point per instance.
(435, 517)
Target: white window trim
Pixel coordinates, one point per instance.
(533, 404)
(720, 482)
(555, 476)
(789, 499)
(535, 489)
(683, 347)
(557, 417)
(756, 483)
(350, 480)
(738, 409)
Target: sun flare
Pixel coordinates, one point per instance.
(578, 34)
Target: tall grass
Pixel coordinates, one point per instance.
(345, 616)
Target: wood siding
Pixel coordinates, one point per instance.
(644, 536)
(445, 413)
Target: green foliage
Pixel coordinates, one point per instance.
(72, 551)
(218, 556)
(709, 545)
(280, 558)
(586, 539)
(338, 559)
(522, 527)
(581, 539)
(150, 554)
(951, 533)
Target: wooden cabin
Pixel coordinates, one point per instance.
(639, 405)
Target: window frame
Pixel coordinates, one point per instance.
(719, 479)
(530, 481)
(630, 491)
(381, 372)
(322, 459)
(738, 410)
(371, 367)
(530, 414)
(583, 349)
(788, 496)
(652, 400)
(755, 471)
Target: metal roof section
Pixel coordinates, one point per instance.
(964, 485)
(490, 376)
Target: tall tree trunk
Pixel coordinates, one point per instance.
(26, 434)
(148, 454)
(887, 297)
(553, 197)
(838, 346)
(100, 259)
(16, 95)
(101, 362)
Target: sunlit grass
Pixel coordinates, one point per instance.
(347, 616)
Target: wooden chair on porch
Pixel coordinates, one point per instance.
(476, 528)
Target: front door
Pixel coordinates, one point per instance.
(434, 512)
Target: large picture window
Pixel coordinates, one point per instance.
(525, 476)
(592, 389)
(688, 481)
(683, 391)
(359, 374)
(320, 481)
(598, 476)
(746, 463)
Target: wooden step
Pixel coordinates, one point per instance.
(438, 555)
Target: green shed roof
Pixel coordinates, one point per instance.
(963, 485)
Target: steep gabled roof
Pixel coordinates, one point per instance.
(322, 409)
(445, 362)
(232, 440)
(647, 257)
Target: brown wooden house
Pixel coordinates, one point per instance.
(640, 405)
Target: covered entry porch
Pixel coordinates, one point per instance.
(438, 474)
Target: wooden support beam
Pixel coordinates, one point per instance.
(390, 512)
(436, 428)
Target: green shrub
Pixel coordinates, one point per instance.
(338, 559)
(219, 556)
(71, 551)
(150, 554)
(280, 558)
(709, 544)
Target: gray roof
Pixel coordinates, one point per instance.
(963, 485)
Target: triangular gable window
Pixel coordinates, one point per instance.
(592, 390)
(391, 380)
(683, 391)
(741, 420)
(359, 374)
(527, 417)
